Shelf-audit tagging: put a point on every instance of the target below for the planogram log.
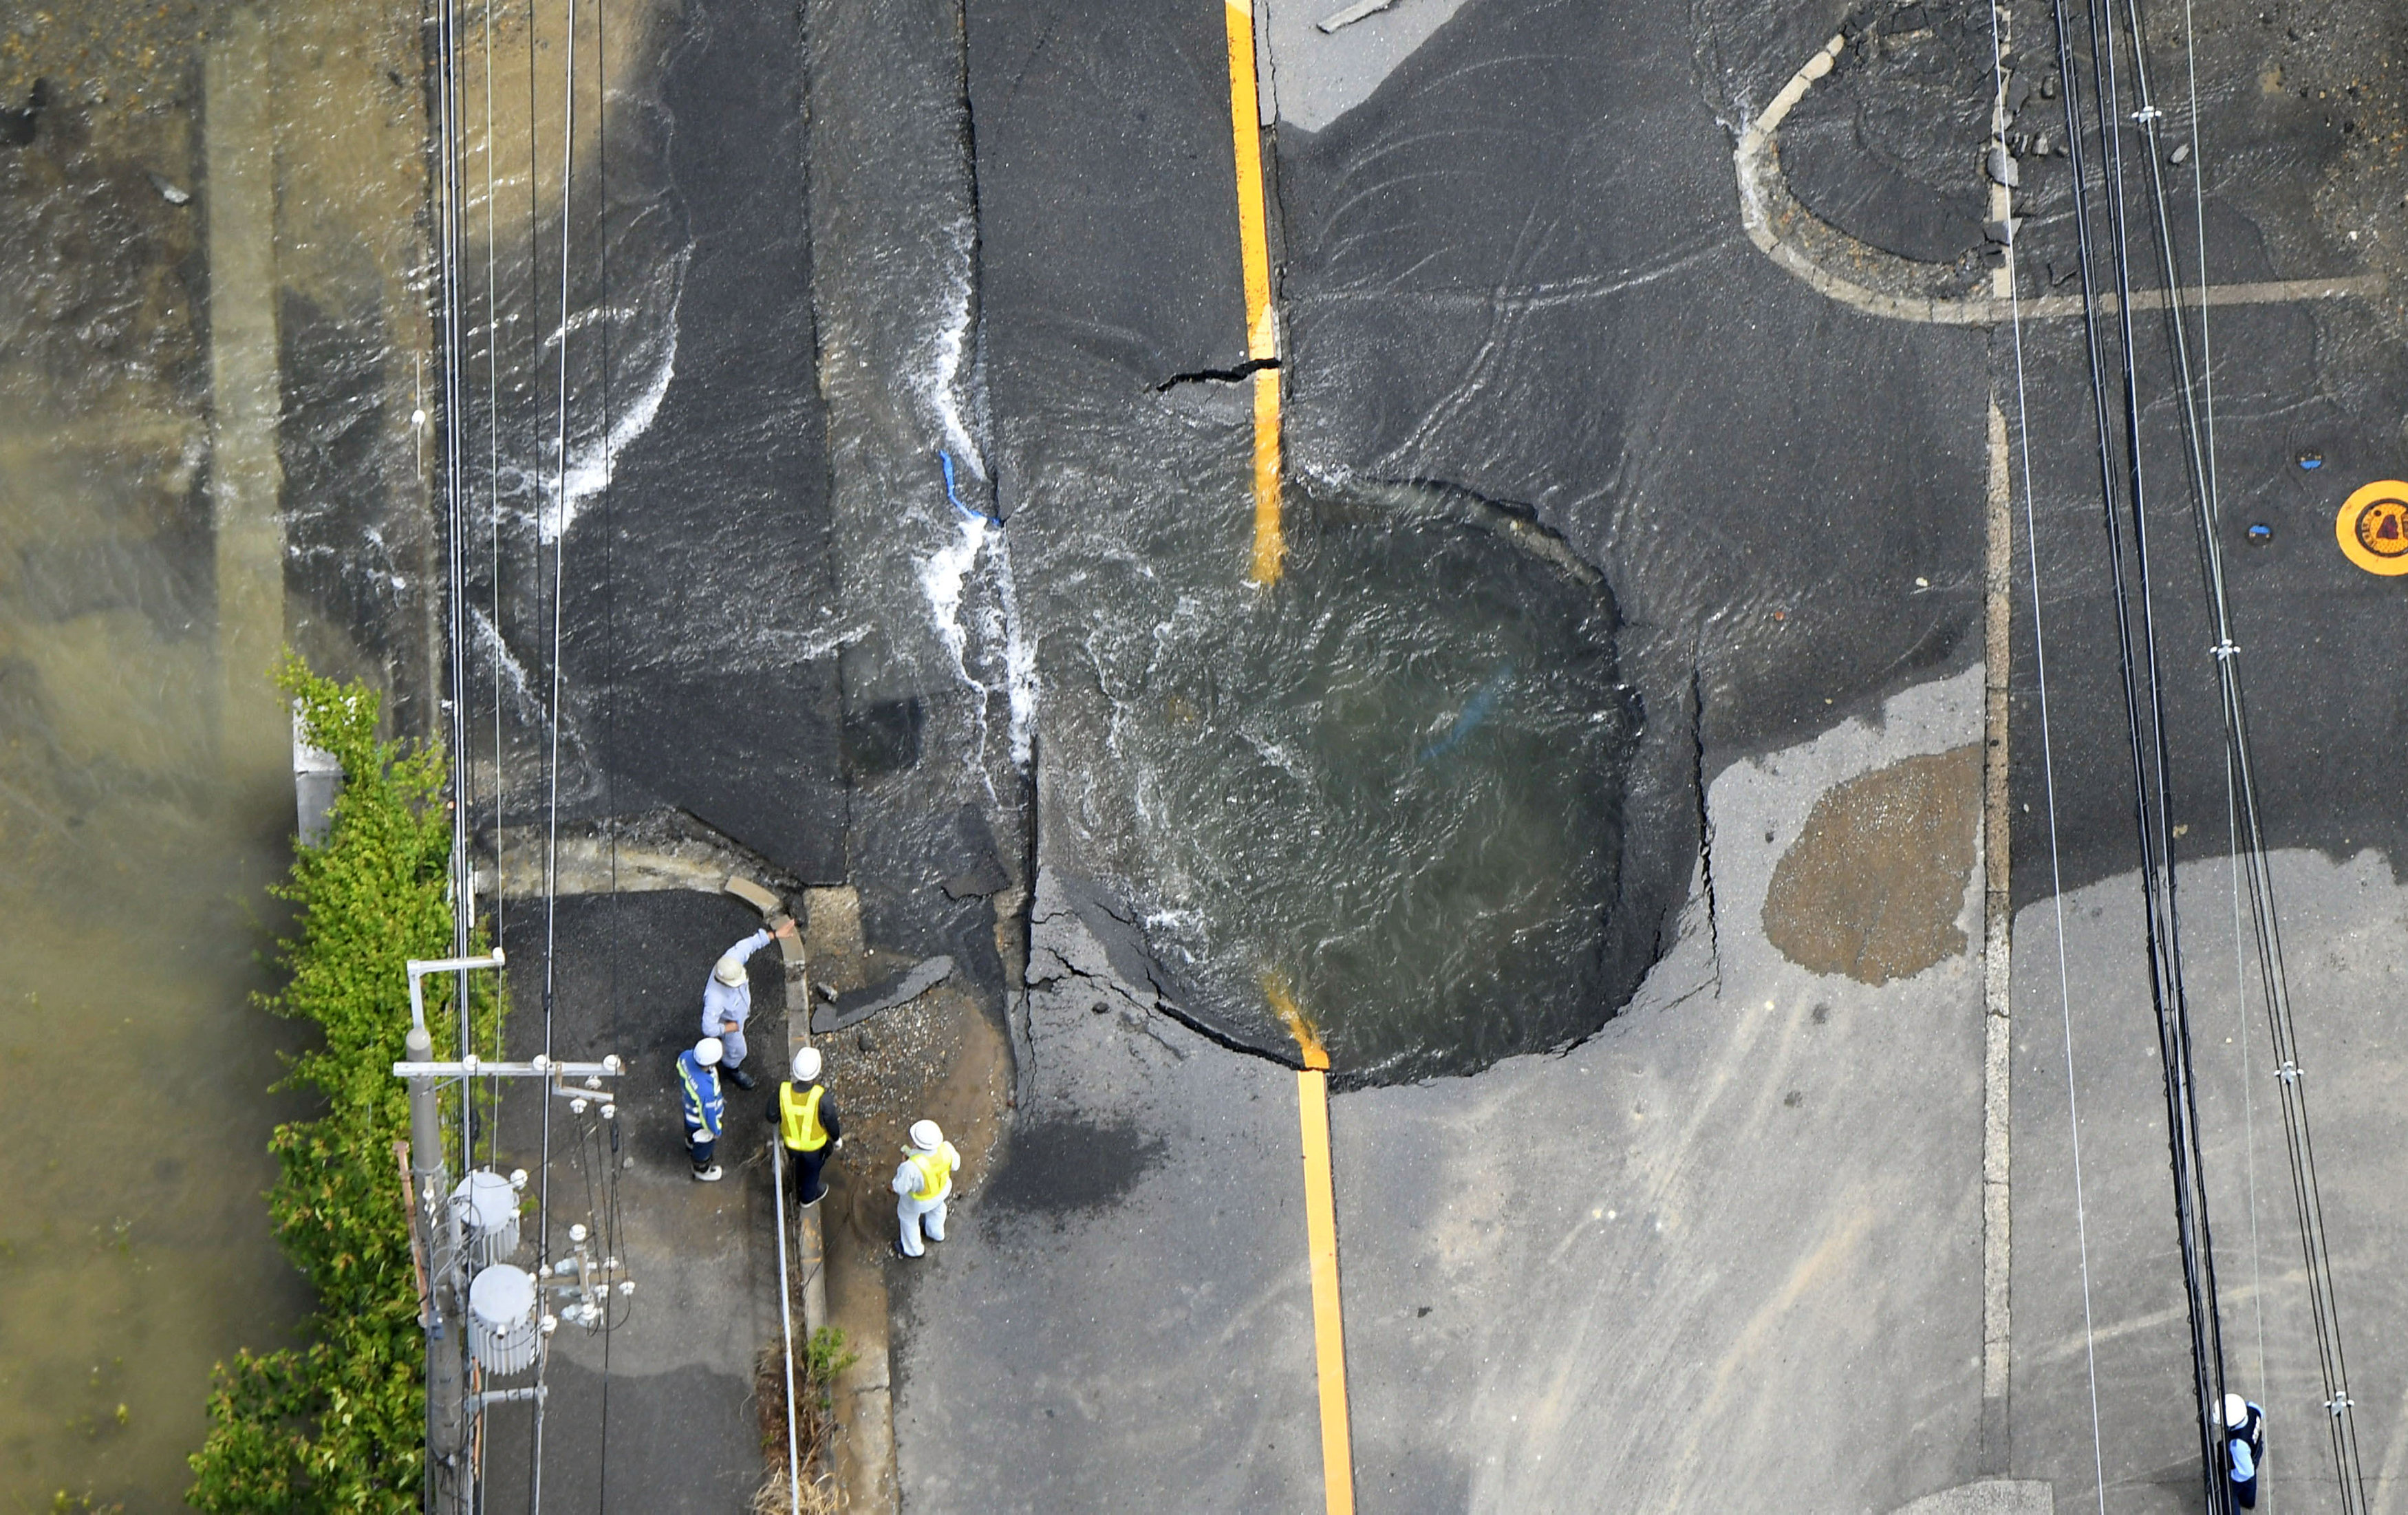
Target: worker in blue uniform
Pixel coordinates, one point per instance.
(2245, 1449)
(727, 1000)
(702, 1105)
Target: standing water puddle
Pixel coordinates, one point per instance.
(1384, 795)
(208, 235)
(134, 1239)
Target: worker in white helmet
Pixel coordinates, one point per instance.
(704, 1108)
(727, 1000)
(804, 1113)
(921, 1185)
(2245, 1449)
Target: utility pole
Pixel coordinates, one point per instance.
(450, 1481)
(456, 1260)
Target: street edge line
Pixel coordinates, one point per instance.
(1998, 928)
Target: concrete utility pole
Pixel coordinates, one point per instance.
(434, 1217)
(448, 1479)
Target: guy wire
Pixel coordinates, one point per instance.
(2048, 788)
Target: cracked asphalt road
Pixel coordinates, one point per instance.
(1510, 263)
(922, 573)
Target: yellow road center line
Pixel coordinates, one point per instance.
(1245, 123)
(1329, 1324)
(1291, 1015)
(1321, 1247)
(1262, 329)
(1270, 540)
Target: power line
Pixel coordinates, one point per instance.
(494, 505)
(596, 1141)
(452, 391)
(2147, 735)
(2251, 852)
(2231, 782)
(609, 656)
(2048, 788)
(552, 804)
(449, 191)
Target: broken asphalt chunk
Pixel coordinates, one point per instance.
(851, 1010)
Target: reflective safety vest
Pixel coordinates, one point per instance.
(799, 1120)
(705, 1107)
(936, 1171)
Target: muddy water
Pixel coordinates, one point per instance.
(207, 366)
(133, 1242)
(135, 1248)
(1384, 797)
(1389, 793)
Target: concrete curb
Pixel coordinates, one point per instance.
(1997, 927)
(810, 1254)
(1790, 234)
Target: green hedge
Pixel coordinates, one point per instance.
(339, 1424)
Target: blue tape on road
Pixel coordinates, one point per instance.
(947, 459)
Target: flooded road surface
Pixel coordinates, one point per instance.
(133, 1241)
(135, 1252)
(1392, 788)
(1384, 795)
(205, 400)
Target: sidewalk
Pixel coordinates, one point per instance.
(656, 1416)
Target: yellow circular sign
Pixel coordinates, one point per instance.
(2373, 527)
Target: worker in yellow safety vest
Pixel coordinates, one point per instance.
(805, 1115)
(921, 1185)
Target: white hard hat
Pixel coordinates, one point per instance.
(707, 1052)
(2236, 1411)
(730, 970)
(807, 1064)
(925, 1137)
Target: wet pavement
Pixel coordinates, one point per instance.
(1553, 309)
(148, 578)
(1601, 784)
(655, 1412)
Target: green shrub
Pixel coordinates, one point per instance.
(339, 1424)
(823, 1355)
